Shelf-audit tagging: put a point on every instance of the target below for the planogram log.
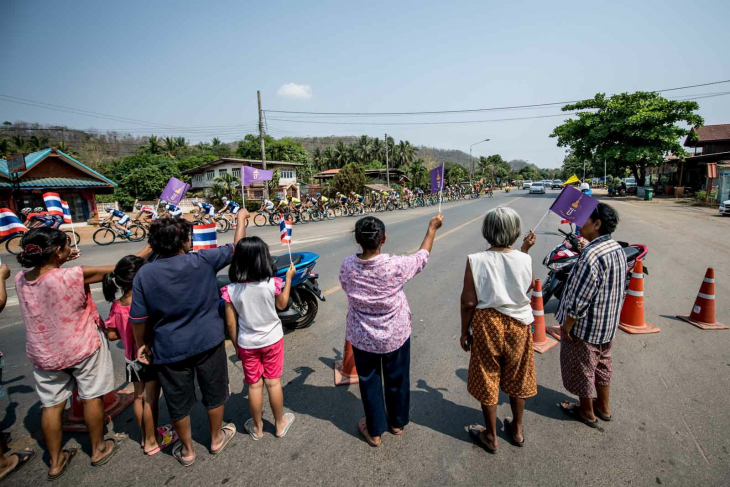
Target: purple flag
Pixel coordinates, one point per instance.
(175, 191)
(573, 206)
(437, 179)
(250, 175)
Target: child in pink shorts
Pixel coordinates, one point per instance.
(252, 299)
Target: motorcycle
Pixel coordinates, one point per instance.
(302, 307)
(506, 190)
(561, 260)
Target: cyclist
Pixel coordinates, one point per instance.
(282, 204)
(206, 210)
(357, 200)
(229, 206)
(322, 201)
(407, 194)
(123, 218)
(266, 205)
(341, 199)
(170, 209)
(146, 213)
(41, 218)
(294, 204)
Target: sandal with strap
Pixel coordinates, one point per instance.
(229, 430)
(24, 457)
(71, 452)
(177, 454)
(571, 409)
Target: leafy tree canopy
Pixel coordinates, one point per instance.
(350, 178)
(628, 130)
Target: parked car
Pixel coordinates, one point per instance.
(527, 184)
(630, 185)
(725, 208)
(557, 184)
(547, 183)
(537, 188)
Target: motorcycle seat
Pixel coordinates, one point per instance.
(631, 253)
(282, 261)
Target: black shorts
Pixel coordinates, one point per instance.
(140, 372)
(178, 381)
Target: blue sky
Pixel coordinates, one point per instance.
(198, 64)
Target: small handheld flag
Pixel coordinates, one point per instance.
(572, 179)
(437, 181)
(574, 206)
(205, 236)
(285, 228)
(10, 223)
(250, 175)
(66, 212)
(174, 191)
(53, 203)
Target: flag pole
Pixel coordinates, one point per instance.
(288, 243)
(441, 187)
(74, 232)
(541, 219)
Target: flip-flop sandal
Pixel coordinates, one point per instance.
(117, 441)
(574, 413)
(477, 437)
(363, 428)
(508, 429)
(24, 457)
(288, 425)
(228, 427)
(71, 454)
(394, 431)
(177, 453)
(602, 416)
(248, 426)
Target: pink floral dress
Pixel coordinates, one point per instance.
(378, 318)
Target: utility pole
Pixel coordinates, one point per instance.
(387, 169)
(263, 148)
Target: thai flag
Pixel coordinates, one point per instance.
(10, 223)
(66, 212)
(53, 203)
(565, 222)
(205, 236)
(285, 227)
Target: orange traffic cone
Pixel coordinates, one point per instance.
(540, 342)
(632, 313)
(345, 372)
(114, 403)
(703, 312)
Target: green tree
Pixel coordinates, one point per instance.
(142, 176)
(350, 178)
(417, 172)
(229, 183)
(66, 149)
(404, 153)
(38, 143)
(628, 130)
(6, 148)
(153, 146)
(377, 149)
(574, 165)
(363, 149)
(454, 173)
(215, 192)
(375, 165)
(181, 142)
(19, 143)
(317, 159)
(274, 183)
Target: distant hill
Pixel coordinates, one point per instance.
(311, 143)
(517, 164)
(446, 155)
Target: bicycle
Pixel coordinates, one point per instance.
(222, 225)
(231, 219)
(107, 234)
(263, 216)
(12, 243)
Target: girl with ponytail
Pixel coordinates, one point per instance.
(379, 324)
(143, 377)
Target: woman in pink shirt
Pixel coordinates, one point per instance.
(64, 341)
(379, 324)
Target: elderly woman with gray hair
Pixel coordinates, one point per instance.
(495, 325)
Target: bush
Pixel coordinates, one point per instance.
(252, 206)
(701, 195)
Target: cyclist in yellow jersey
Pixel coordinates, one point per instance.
(294, 203)
(322, 200)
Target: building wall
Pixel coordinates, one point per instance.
(205, 178)
(54, 167)
(715, 147)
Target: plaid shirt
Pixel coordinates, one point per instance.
(594, 292)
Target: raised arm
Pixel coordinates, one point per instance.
(4, 275)
(94, 274)
(241, 218)
(433, 225)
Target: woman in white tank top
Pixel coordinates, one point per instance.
(495, 306)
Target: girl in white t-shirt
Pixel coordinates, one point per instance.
(252, 299)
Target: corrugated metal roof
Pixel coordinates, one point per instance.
(48, 183)
(35, 157)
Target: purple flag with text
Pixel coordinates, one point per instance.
(174, 191)
(437, 179)
(250, 175)
(573, 206)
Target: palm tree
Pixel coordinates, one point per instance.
(216, 142)
(363, 149)
(404, 154)
(228, 182)
(329, 159)
(38, 143)
(215, 191)
(317, 159)
(170, 146)
(339, 154)
(417, 172)
(181, 142)
(66, 149)
(5, 148)
(376, 149)
(203, 145)
(153, 145)
(351, 153)
(19, 142)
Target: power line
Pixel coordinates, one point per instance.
(441, 112)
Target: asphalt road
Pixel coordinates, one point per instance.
(669, 396)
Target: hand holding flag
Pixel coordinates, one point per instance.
(174, 191)
(205, 236)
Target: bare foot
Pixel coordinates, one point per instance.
(489, 440)
(62, 463)
(12, 462)
(372, 440)
(517, 431)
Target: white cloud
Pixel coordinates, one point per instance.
(294, 90)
